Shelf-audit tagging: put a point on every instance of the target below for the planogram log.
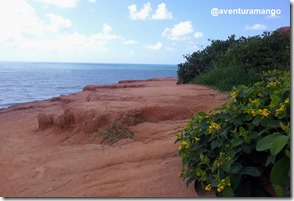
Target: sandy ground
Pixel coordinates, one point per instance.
(55, 148)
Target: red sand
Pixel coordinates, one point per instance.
(53, 148)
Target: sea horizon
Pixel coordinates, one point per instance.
(23, 82)
(85, 62)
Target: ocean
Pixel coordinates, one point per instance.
(22, 82)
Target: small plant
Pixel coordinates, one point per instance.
(242, 148)
(115, 129)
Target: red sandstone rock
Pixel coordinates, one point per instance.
(54, 147)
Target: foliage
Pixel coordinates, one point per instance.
(201, 61)
(115, 130)
(237, 149)
(224, 77)
(253, 54)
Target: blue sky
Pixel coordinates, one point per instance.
(126, 31)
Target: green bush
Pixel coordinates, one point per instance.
(224, 77)
(201, 61)
(254, 54)
(243, 147)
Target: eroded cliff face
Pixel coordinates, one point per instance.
(63, 146)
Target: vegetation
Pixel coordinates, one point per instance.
(242, 148)
(115, 130)
(231, 62)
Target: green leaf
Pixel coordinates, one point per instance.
(275, 100)
(242, 130)
(198, 188)
(238, 121)
(228, 192)
(236, 167)
(236, 142)
(278, 144)
(266, 142)
(263, 131)
(235, 181)
(215, 143)
(202, 114)
(227, 166)
(280, 172)
(252, 171)
(264, 122)
(279, 190)
(273, 124)
(284, 127)
(256, 120)
(270, 159)
(252, 134)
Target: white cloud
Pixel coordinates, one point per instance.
(130, 42)
(18, 22)
(22, 30)
(60, 3)
(143, 14)
(92, 1)
(58, 23)
(106, 28)
(162, 13)
(260, 27)
(198, 35)
(181, 31)
(157, 46)
(272, 17)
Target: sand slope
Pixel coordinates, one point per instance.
(54, 147)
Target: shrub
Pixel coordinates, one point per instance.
(239, 148)
(254, 54)
(201, 61)
(225, 77)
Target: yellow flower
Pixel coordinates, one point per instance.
(218, 163)
(184, 145)
(208, 187)
(264, 113)
(234, 94)
(273, 84)
(213, 127)
(253, 113)
(228, 158)
(287, 100)
(178, 134)
(281, 110)
(220, 188)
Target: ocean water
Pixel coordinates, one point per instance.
(22, 82)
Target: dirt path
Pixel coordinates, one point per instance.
(61, 153)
